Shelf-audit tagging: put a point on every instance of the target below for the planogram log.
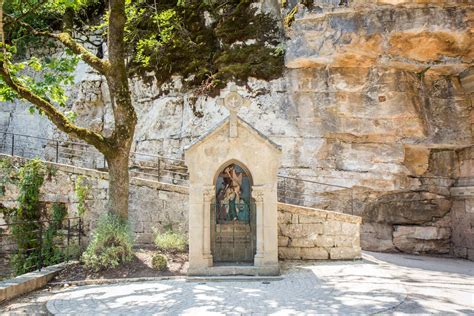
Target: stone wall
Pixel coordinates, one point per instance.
(376, 97)
(462, 213)
(308, 233)
(304, 233)
(153, 205)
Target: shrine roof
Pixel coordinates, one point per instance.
(222, 124)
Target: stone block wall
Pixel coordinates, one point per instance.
(153, 205)
(304, 233)
(462, 212)
(308, 233)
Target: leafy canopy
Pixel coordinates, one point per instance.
(207, 42)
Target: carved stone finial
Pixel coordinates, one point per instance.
(233, 101)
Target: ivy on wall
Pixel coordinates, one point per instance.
(35, 232)
(81, 189)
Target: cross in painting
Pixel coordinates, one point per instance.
(233, 102)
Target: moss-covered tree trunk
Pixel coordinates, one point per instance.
(118, 185)
(124, 114)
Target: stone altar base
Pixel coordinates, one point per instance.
(225, 269)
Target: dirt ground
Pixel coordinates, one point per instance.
(139, 267)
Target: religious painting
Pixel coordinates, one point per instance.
(233, 195)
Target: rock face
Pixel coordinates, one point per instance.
(376, 98)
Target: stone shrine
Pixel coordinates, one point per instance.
(233, 198)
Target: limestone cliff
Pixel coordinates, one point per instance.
(376, 97)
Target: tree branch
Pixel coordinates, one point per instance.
(102, 66)
(54, 115)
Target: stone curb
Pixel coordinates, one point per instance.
(235, 279)
(115, 281)
(28, 282)
(164, 278)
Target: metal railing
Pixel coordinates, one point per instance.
(310, 193)
(35, 250)
(80, 154)
(291, 190)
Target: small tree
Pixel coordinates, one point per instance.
(45, 95)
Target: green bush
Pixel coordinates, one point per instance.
(111, 244)
(159, 262)
(170, 242)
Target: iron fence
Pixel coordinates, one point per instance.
(80, 154)
(38, 247)
(291, 190)
(317, 194)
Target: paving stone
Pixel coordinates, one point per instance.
(387, 284)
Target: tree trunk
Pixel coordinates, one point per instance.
(118, 185)
(125, 117)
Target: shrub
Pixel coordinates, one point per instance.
(159, 262)
(111, 244)
(170, 241)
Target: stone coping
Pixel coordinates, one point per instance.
(326, 215)
(28, 282)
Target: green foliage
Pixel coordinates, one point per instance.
(27, 228)
(170, 241)
(50, 253)
(159, 262)
(44, 15)
(40, 72)
(31, 178)
(111, 244)
(7, 174)
(207, 42)
(56, 74)
(36, 240)
(81, 189)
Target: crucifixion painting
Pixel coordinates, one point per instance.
(233, 195)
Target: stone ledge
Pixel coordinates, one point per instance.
(28, 282)
(238, 278)
(325, 215)
(235, 270)
(462, 191)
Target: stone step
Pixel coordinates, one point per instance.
(237, 272)
(234, 278)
